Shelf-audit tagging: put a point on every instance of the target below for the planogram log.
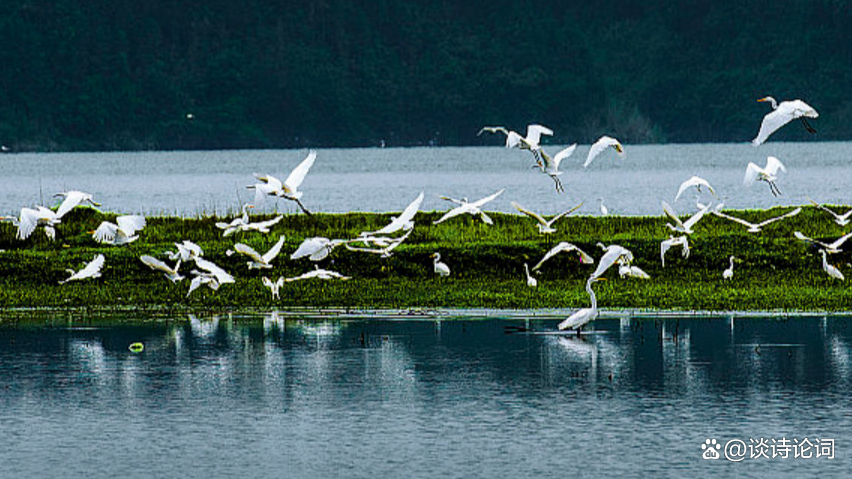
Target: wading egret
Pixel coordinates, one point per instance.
(121, 232)
(544, 226)
(672, 241)
(781, 114)
(469, 208)
(91, 270)
(531, 282)
(564, 247)
(755, 227)
(583, 316)
(729, 273)
(768, 173)
(830, 269)
(841, 220)
(602, 144)
(170, 272)
(683, 226)
(257, 260)
(440, 268)
(833, 247)
(274, 287)
(698, 183)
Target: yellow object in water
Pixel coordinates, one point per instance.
(136, 348)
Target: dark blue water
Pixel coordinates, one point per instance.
(285, 396)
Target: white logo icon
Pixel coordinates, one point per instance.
(711, 449)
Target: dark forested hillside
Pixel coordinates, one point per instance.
(129, 74)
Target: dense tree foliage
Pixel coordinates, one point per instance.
(128, 74)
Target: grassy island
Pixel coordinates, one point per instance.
(774, 271)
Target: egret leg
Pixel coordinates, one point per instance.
(807, 125)
(302, 207)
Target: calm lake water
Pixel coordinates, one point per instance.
(378, 180)
(360, 396)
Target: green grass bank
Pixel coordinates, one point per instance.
(774, 272)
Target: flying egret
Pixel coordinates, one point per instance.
(238, 223)
(319, 274)
(513, 139)
(91, 270)
(121, 232)
(200, 278)
(317, 248)
(472, 208)
(729, 273)
(583, 316)
(274, 287)
(830, 269)
(698, 183)
(386, 245)
(170, 272)
(755, 227)
(72, 200)
(564, 247)
(531, 282)
(404, 221)
(544, 226)
(186, 251)
(841, 220)
(672, 241)
(612, 254)
(289, 188)
(30, 219)
(222, 276)
(781, 114)
(602, 144)
(626, 269)
(769, 174)
(604, 210)
(440, 268)
(833, 247)
(257, 260)
(550, 165)
(683, 226)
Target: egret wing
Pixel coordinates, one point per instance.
(298, 174)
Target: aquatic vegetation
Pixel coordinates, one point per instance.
(775, 271)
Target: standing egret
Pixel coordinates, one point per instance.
(698, 183)
(769, 173)
(583, 316)
(544, 226)
(830, 269)
(440, 268)
(841, 220)
(602, 144)
(683, 226)
(781, 114)
(602, 207)
(472, 208)
(672, 241)
(566, 247)
(257, 260)
(91, 270)
(121, 232)
(274, 287)
(531, 282)
(729, 273)
(755, 227)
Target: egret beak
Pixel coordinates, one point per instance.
(95, 203)
(762, 99)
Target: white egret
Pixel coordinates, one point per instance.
(274, 287)
(698, 183)
(841, 220)
(564, 247)
(729, 273)
(531, 282)
(289, 188)
(683, 226)
(602, 207)
(550, 165)
(72, 200)
(769, 173)
(544, 226)
(513, 139)
(121, 232)
(91, 270)
(672, 241)
(30, 219)
(441, 269)
(186, 251)
(257, 260)
(833, 247)
(404, 221)
(755, 227)
(200, 278)
(238, 223)
(222, 276)
(781, 114)
(612, 254)
(317, 248)
(386, 245)
(626, 269)
(170, 272)
(319, 274)
(471, 208)
(602, 144)
(830, 269)
(583, 316)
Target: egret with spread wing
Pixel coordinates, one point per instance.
(755, 227)
(783, 113)
(121, 232)
(91, 270)
(171, 273)
(768, 173)
(257, 260)
(841, 220)
(672, 241)
(550, 165)
(683, 226)
(564, 247)
(602, 144)
(72, 200)
(833, 247)
(544, 226)
(698, 183)
(469, 208)
(404, 221)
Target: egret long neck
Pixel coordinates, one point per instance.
(591, 294)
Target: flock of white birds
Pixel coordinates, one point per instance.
(383, 241)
